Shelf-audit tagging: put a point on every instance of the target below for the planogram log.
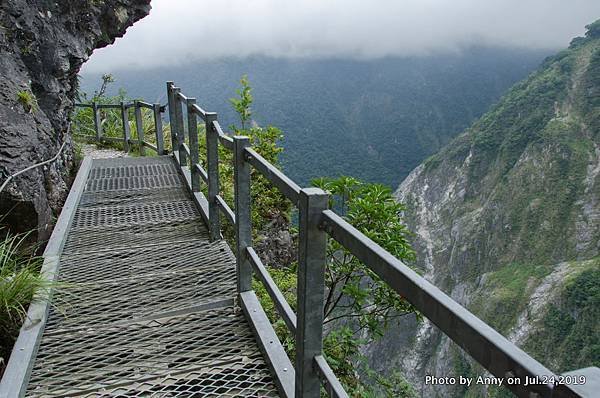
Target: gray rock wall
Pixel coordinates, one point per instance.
(43, 44)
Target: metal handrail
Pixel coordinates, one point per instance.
(494, 352)
(286, 186)
(224, 140)
(488, 347)
(157, 108)
(331, 384)
(283, 307)
(225, 210)
(201, 112)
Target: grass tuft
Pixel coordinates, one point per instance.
(20, 285)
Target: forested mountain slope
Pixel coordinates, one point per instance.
(371, 119)
(507, 221)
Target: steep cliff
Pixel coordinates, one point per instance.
(507, 221)
(42, 47)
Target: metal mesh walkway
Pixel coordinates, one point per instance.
(147, 309)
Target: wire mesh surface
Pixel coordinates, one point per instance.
(147, 307)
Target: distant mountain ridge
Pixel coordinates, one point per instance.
(507, 221)
(375, 120)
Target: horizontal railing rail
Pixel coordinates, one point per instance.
(316, 222)
(283, 307)
(285, 185)
(488, 347)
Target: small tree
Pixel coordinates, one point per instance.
(359, 305)
(354, 291)
(243, 103)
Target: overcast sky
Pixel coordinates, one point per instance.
(184, 30)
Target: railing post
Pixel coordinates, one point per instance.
(212, 169)
(126, 131)
(160, 139)
(192, 120)
(139, 127)
(97, 121)
(243, 220)
(178, 113)
(171, 103)
(312, 257)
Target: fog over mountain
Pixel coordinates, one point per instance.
(186, 30)
(372, 119)
(360, 88)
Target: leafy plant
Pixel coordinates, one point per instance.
(243, 103)
(359, 306)
(20, 284)
(354, 291)
(267, 202)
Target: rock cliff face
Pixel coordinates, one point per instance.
(42, 47)
(507, 222)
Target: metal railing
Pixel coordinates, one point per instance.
(137, 105)
(311, 372)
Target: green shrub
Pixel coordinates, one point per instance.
(27, 100)
(20, 284)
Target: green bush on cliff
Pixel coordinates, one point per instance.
(20, 284)
(267, 202)
(569, 333)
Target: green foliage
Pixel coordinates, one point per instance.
(243, 103)
(393, 386)
(27, 99)
(26, 49)
(267, 202)
(354, 291)
(358, 302)
(593, 30)
(569, 333)
(20, 284)
(285, 279)
(507, 293)
(77, 156)
(518, 119)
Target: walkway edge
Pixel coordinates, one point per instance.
(18, 369)
(269, 344)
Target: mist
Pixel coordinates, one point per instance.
(184, 31)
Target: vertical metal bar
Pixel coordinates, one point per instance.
(97, 121)
(139, 128)
(243, 220)
(212, 166)
(171, 102)
(126, 131)
(160, 139)
(192, 120)
(312, 249)
(178, 113)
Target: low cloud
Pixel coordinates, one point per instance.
(178, 31)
